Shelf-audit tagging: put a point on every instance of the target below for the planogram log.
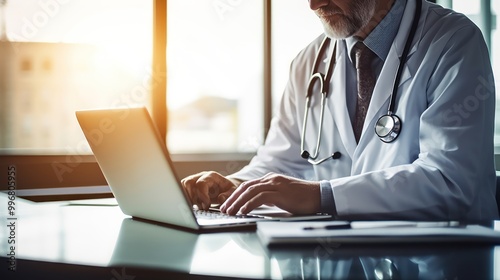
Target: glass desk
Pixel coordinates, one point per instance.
(94, 240)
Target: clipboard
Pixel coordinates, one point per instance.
(376, 232)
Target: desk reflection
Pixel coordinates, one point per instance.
(240, 254)
(388, 262)
(232, 254)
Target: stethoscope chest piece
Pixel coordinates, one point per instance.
(388, 127)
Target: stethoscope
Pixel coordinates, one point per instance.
(387, 127)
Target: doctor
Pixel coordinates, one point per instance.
(419, 146)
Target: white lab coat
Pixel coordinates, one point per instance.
(442, 164)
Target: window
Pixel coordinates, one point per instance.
(57, 57)
(62, 56)
(294, 26)
(214, 76)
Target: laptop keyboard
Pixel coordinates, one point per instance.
(204, 214)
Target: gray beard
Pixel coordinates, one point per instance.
(362, 12)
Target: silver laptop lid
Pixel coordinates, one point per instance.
(136, 165)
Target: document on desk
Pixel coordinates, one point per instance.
(313, 232)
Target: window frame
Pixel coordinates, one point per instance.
(38, 171)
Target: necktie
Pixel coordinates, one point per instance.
(366, 83)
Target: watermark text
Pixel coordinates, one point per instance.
(11, 217)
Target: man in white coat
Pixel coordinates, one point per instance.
(441, 164)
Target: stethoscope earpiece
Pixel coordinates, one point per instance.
(336, 155)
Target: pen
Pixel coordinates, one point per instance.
(339, 225)
(384, 224)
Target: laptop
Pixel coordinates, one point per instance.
(140, 173)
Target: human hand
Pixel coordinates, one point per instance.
(208, 187)
(293, 195)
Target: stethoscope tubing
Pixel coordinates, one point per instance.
(387, 127)
(404, 57)
(324, 88)
(389, 134)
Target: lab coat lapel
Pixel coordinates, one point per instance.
(383, 89)
(337, 106)
(385, 82)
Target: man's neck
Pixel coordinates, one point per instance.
(381, 10)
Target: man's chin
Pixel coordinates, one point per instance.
(335, 34)
(335, 30)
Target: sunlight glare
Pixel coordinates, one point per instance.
(129, 45)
